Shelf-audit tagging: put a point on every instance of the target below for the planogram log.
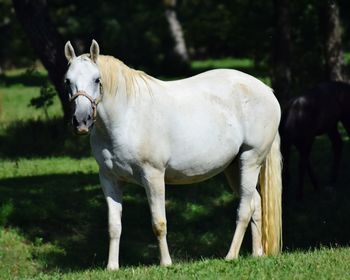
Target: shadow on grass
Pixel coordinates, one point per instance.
(42, 138)
(69, 211)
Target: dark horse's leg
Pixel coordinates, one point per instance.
(312, 175)
(337, 146)
(304, 149)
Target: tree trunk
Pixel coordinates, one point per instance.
(46, 41)
(281, 76)
(175, 29)
(334, 55)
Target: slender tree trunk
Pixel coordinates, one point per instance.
(334, 56)
(175, 29)
(46, 41)
(281, 76)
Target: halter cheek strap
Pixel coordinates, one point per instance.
(94, 102)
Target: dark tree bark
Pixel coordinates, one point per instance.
(334, 56)
(281, 76)
(176, 32)
(46, 41)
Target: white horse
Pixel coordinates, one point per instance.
(151, 133)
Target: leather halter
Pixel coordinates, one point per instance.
(94, 102)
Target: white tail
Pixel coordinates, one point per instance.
(270, 181)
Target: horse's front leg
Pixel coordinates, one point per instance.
(113, 194)
(153, 182)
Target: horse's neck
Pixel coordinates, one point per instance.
(131, 98)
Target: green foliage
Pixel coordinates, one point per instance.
(15, 49)
(45, 99)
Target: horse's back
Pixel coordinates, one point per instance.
(212, 115)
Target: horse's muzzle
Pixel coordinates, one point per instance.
(82, 130)
(82, 127)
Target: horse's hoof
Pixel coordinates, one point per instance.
(166, 263)
(258, 253)
(112, 266)
(230, 258)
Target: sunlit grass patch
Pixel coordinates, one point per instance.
(20, 258)
(22, 167)
(230, 63)
(15, 105)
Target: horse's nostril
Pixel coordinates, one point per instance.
(75, 121)
(89, 117)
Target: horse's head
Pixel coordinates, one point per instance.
(83, 83)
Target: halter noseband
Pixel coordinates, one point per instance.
(94, 102)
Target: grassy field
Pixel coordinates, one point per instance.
(53, 217)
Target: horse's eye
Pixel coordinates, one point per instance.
(97, 81)
(67, 81)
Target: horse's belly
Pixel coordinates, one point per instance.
(196, 164)
(202, 147)
(176, 177)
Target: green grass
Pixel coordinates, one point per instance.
(53, 216)
(17, 88)
(46, 166)
(22, 95)
(321, 264)
(16, 256)
(325, 263)
(234, 63)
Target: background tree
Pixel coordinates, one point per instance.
(176, 33)
(281, 76)
(332, 32)
(15, 49)
(46, 41)
(139, 34)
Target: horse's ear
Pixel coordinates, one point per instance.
(69, 51)
(94, 51)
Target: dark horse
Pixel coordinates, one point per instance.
(315, 113)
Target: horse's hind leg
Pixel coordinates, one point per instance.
(256, 225)
(232, 173)
(304, 150)
(250, 169)
(337, 145)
